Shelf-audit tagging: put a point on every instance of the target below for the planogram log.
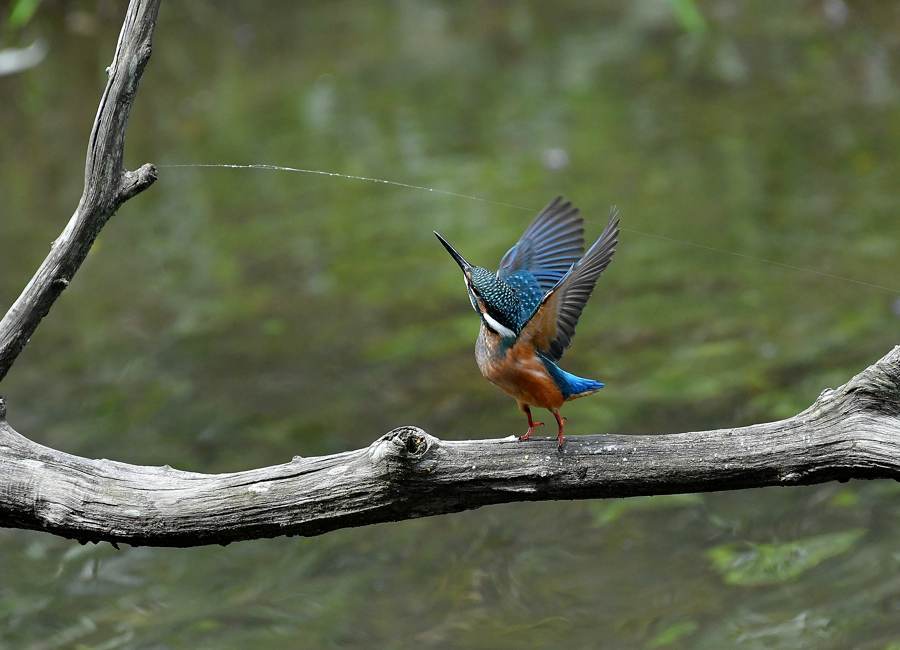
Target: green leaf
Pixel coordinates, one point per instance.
(688, 15)
(22, 12)
(606, 512)
(747, 564)
(673, 634)
(846, 498)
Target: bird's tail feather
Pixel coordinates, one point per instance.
(571, 386)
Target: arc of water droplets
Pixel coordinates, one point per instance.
(434, 190)
(367, 179)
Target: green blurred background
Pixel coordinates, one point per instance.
(227, 319)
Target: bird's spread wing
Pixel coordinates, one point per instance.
(552, 324)
(547, 248)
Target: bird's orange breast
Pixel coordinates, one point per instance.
(517, 370)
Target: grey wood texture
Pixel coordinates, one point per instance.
(107, 184)
(849, 432)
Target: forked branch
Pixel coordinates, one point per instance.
(850, 432)
(106, 184)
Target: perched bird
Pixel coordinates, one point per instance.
(529, 308)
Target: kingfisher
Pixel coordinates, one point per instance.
(529, 309)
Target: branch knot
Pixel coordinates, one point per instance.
(403, 445)
(135, 182)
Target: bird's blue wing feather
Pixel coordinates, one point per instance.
(549, 246)
(552, 324)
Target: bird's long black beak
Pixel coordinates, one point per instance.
(463, 264)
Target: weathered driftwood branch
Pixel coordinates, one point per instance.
(106, 184)
(850, 432)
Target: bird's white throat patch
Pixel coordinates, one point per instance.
(491, 322)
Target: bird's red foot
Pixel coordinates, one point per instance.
(560, 438)
(534, 425)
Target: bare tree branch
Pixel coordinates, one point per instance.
(850, 432)
(106, 185)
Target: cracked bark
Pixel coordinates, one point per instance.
(850, 432)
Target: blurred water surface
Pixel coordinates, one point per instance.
(232, 318)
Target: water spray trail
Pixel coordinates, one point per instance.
(433, 190)
(353, 177)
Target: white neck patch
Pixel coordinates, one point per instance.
(497, 327)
